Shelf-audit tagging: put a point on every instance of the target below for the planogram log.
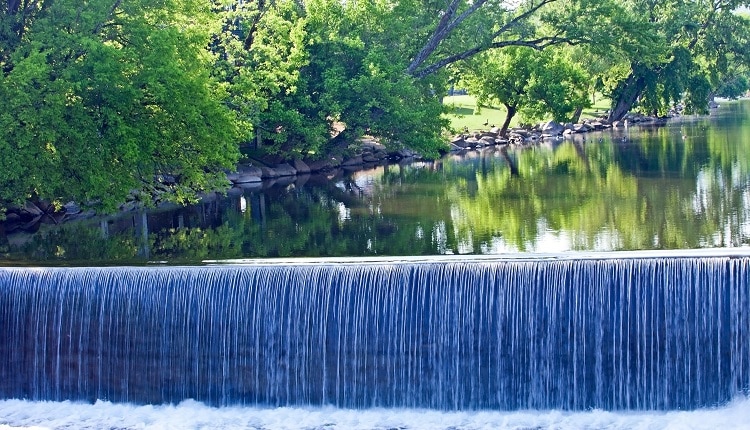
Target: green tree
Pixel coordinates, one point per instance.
(695, 37)
(531, 83)
(261, 51)
(108, 97)
(358, 53)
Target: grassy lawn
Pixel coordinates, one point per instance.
(463, 113)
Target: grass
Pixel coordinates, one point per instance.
(463, 113)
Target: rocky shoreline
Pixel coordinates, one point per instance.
(369, 153)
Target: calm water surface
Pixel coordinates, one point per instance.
(680, 185)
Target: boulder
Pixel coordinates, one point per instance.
(551, 128)
(403, 153)
(380, 154)
(369, 143)
(245, 174)
(581, 128)
(301, 167)
(31, 209)
(520, 132)
(354, 161)
(284, 169)
(471, 142)
(320, 165)
(488, 140)
(598, 125)
(71, 208)
(268, 173)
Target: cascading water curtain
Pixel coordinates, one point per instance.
(646, 333)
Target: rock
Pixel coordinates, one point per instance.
(268, 173)
(515, 138)
(520, 132)
(301, 167)
(129, 206)
(284, 169)
(457, 139)
(581, 128)
(369, 143)
(31, 209)
(552, 128)
(405, 153)
(71, 208)
(488, 140)
(380, 154)
(12, 217)
(599, 125)
(324, 165)
(471, 142)
(354, 161)
(245, 174)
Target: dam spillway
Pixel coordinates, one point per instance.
(610, 333)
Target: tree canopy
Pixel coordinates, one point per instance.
(105, 98)
(536, 85)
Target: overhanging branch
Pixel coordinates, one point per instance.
(538, 44)
(449, 22)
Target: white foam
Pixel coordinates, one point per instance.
(194, 415)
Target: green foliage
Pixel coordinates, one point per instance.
(359, 51)
(101, 100)
(698, 41)
(534, 84)
(261, 51)
(734, 87)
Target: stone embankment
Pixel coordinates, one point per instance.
(524, 136)
(369, 152)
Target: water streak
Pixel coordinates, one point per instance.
(613, 334)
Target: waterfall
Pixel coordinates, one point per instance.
(627, 333)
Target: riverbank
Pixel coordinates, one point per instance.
(367, 153)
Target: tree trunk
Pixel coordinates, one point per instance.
(631, 90)
(511, 113)
(577, 115)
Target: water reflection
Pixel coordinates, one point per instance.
(682, 185)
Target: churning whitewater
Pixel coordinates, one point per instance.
(190, 415)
